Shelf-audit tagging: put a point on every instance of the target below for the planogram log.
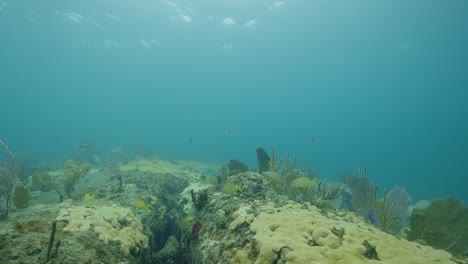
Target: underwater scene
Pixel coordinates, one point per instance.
(234, 131)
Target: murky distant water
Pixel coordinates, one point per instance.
(373, 84)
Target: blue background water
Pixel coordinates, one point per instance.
(379, 84)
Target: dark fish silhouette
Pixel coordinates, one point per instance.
(190, 140)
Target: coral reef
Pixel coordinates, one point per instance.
(312, 238)
(263, 230)
(389, 213)
(163, 212)
(110, 223)
(170, 254)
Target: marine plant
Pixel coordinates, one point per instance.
(8, 179)
(196, 229)
(186, 222)
(275, 165)
(73, 174)
(51, 241)
(21, 196)
(263, 159)
(288, 180)
(322, 192)
(282, 176)
(235, 166)
(199, 199)
(363, 193)
(389, 213)
(41, 181)
(442, 224)
(385, 211)
(222, 179)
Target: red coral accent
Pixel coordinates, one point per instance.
(196, 229)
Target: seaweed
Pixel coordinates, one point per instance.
(199, 199)
(235, 166)
(263, 159)
(443, 225)
(21, 196)
(8, 179)
(73, 174)
(282, 176)
(41, 181)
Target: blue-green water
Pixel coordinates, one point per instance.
(379, 84)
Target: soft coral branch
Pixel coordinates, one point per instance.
(8, 171)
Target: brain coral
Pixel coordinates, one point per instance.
(110, 223)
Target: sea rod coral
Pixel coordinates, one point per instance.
(8, 171)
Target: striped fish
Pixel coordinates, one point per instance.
(359, 172)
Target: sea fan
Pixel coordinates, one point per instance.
(402, 200)
(373, 218)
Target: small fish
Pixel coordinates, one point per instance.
(190, 140)
(84, 145)
(312, 139)
(228, 131)
(360, 172)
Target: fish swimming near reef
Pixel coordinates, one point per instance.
(85, 145)
(90, 152)
(359, 172)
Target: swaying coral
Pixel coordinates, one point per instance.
(443, 224)
(73, 174)
(8, 171)
(389, 213)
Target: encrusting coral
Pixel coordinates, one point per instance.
(317, 238)
(110, 223)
